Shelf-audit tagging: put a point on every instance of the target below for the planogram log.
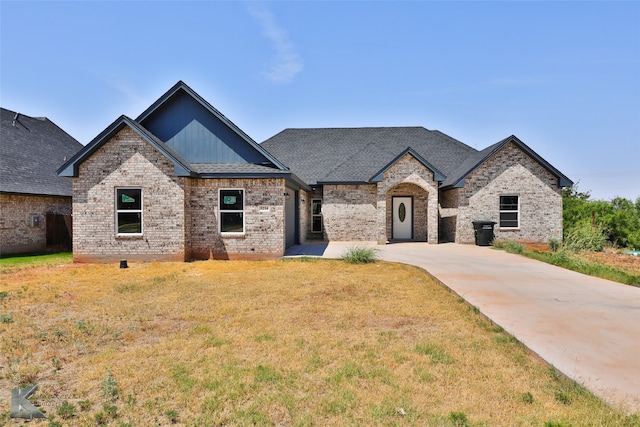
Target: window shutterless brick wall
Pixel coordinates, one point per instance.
(263, 236)
(511, 172)
(128, 161)
(16, 234)
(180, 215)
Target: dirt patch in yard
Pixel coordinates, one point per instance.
(614, 258)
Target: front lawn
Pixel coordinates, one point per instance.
(290, 343)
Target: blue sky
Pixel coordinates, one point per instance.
(564, 77)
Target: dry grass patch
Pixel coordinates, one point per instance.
(292, 343)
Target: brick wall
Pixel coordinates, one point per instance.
(511, 172)
(128, 161)
(448, 212)
(349, 212)
(363, 212)
(263, 215)
(16, 235)
(180, 215)
(304, 214)
(408, 177)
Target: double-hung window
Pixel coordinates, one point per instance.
(509, 212)
(316, 215)
(129, 211)
(231, 209)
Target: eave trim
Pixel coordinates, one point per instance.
(437, 175)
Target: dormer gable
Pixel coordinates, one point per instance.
(198, 132)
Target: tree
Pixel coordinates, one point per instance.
(619, 218)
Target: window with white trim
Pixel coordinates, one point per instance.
(231, 211)
(128, 211)
(509, 212)
(316, 215)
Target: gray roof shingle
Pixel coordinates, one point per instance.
(357, 154)
(31, 150)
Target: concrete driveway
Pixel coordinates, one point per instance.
(587, 328)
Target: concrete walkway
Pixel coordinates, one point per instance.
(587, 328)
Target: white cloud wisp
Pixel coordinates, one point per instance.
(287, 64)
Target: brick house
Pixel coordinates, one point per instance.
(35, 203)
(183, 182)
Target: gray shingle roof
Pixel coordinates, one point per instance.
(230, 169)
(31, 150)
(357, 154)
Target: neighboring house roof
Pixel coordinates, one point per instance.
(31, 149)
(456, 179)
(358, 155)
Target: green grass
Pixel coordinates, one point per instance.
(20, 262)
(566, 259)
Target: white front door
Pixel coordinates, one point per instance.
(402, 218)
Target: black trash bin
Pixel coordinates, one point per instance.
(484, 232)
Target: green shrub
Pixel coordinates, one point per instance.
(620, 218)
(554, 245)
(360, 255)
(586, 238)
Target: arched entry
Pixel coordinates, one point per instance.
(407, 216)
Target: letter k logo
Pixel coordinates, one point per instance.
(21, 407)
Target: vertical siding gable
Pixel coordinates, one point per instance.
(197, 135)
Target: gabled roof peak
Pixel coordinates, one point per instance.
(70, 168)
(182, 86)
(437, 175)
(456, 180)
